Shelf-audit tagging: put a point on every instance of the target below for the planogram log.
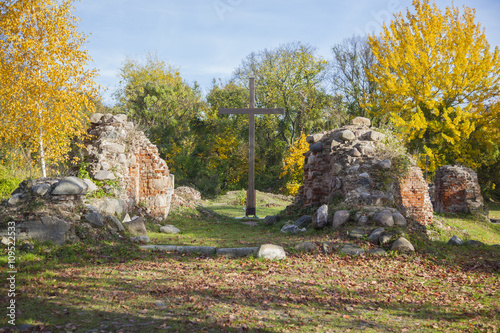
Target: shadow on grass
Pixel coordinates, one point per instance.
(229, 232)
(114, 286)
(117, 297)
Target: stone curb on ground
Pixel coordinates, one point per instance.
(206, 250)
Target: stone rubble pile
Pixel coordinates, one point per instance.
(186, 197)
(52, 209)
(121, 161)
(382, 226)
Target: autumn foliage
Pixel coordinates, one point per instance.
(44, 83)
(294, 165)
(430, 75)
(436, 75)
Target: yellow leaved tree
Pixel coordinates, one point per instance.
(294, 165)
(44, 85)
(436, 75)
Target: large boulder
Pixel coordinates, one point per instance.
(16, 199)
(384, 165)
(402, 245)
(352, 250)
(314, 138)
(271, 219)
(95, 219)
(95, 118)
(136, 227)
(455, 240)
(46, 229)
(169, 229)
(384, 218)
(399, 219)
(361, 121)
(375, 235)
(92, 187)
(340, 218)
(320, 217)
(346, 135)
(305, 247)
(104, 175)
(292, 228)
(110, 206)
(112, 147)
(316, 147)
(113, 223)
(270, 251)
(70, 186)
(303, 221)
(357, 234)
(374, 136)
(40, 189)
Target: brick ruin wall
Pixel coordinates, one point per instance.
(118, 151)
(414, 198)
(457, 190)
(349, 164)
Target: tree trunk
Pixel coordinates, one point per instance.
(42, 152)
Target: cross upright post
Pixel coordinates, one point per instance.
(251, 208)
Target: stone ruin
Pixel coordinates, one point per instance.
(352, 165)
(456, 190)
(123, 162)
(116, 150)
(367, 178)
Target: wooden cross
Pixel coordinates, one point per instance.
(251, 111)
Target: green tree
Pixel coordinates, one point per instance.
(436, 73)
(155, 96)
(153, 92)
(222, 140)
(289, 77)
(489, 173)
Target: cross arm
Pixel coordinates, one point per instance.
(252, 111)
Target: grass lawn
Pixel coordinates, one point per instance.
(233, 204)
(494, 210)
(110, 285)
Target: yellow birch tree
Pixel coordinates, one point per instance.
(44, 84)
(436, 74)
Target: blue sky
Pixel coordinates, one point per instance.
(208, 39)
